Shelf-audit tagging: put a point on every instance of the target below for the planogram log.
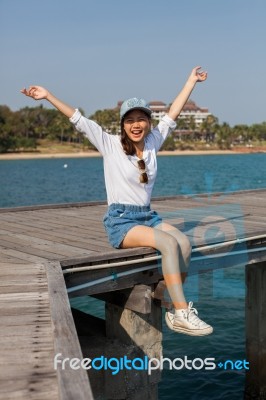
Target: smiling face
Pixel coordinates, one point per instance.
(137, 125)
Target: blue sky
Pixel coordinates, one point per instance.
(93, 53)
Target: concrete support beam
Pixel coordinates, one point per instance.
(255, 387)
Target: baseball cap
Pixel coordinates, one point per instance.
(134, 103)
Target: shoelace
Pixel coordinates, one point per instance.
(192, 315)
(191, 312)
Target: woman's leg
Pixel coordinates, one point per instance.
(184, 254)
(174, 246)
(165, 239)
(184, 246)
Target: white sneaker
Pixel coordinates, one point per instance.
(186, 321)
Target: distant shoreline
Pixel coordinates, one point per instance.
(29, 156)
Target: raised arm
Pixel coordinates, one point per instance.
(182, 98)
(39, 93)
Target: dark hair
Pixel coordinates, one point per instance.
(127, 144)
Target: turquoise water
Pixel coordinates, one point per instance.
(28, 182)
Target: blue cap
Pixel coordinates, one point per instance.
(134, 103)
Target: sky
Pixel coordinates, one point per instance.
(93, 53)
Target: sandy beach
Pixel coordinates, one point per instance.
(28, 156)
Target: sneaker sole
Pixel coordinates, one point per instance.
(185, 331)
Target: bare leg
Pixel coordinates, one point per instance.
(175, 249)
(184, 246)
(165, 239)
(184, 254)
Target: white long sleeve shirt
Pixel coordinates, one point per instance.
(121, 171)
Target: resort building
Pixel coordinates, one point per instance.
(159, 109)
(190, 110)
(199, 114)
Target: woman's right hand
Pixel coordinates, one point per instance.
(36, 92)
(39, 93)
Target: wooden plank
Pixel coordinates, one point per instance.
(26, 249)
(43, 244)
(54, 226)
(196, 204)
(9, 259)
(72, 237)
(21, 255)
(37, 389)
(114, 254)
(43, 219)
(86, 213)
(51, 206)
(26, 344)
(41, 247)
(111, 284)
(21, 320)
(57, 218)
(71, 385)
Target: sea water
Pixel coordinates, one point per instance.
(50, 181)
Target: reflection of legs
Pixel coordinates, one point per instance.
(172, 252)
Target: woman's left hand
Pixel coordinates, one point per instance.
(197, 75)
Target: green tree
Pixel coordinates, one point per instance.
(181, 127)
(259, 131)
(108, 119)
(169, 144)
(242, 133)
(7, 136)
(224, 137)
(192, 126)
(62, 128)
(209, 127)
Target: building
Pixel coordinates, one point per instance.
(190, 109)
(199, 114)
(159, 109)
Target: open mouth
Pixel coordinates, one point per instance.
(136, 133)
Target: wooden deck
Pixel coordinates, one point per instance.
(35, 324)
(26, 333)
(74, 232)
(37, 243)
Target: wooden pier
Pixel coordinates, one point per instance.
(50, 253)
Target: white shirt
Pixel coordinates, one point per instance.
(121, 171)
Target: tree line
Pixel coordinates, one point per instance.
(22, 130)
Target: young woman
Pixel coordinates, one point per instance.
(130, 169)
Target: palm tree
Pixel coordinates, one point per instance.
(107, 119)
(224, 136)
(209, 128)
(192, 126)
(181, 126)
(259, 131)
(242, 133)
(62, 125)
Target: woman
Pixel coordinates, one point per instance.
(130, 169)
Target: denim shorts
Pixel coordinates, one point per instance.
(120, 218)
